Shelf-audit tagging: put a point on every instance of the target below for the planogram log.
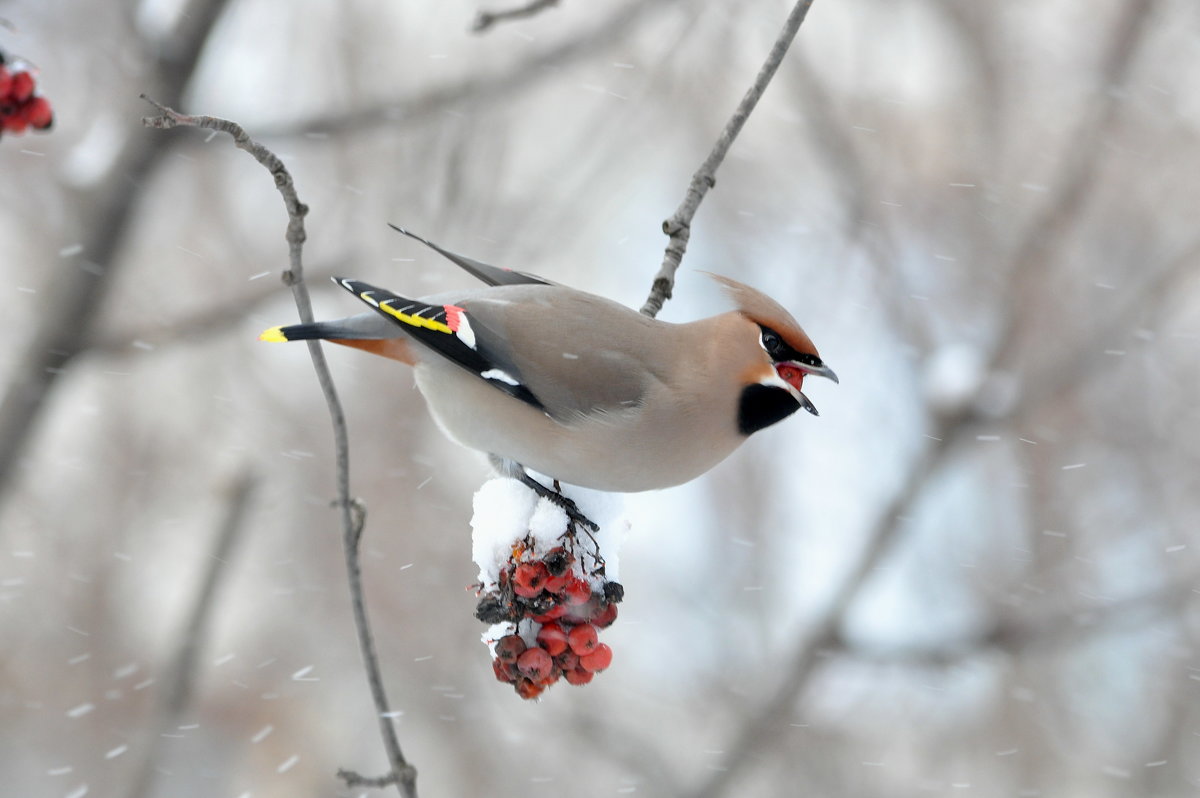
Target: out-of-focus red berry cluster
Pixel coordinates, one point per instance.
(549, 599)
(21, 105)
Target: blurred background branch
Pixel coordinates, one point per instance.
(487, 88)
(199, 326)
(1034, 258)
(106, 212)
(484, 20)
(1022, 637)
(180, 685)
(972, 569)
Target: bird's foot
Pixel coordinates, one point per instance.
(574, 515)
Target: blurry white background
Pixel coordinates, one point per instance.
(972, 575)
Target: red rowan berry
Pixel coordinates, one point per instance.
(509, 647)
(553, 638)
(583, 639)
(529, 579)
(578, 676)
(21, 86)
(598, 660)
(535, 663)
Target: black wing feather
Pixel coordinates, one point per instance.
(491, 275)
(430, 325)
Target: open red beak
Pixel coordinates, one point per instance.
(793, 375)
(790, 374)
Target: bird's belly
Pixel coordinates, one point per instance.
(626, 454)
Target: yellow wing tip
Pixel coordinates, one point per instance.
(274, 335)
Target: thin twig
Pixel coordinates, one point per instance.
(486, 19)
(401, 772)
(353, 779)
(678, 227)
(181, 676)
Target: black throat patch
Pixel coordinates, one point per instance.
(763, 405)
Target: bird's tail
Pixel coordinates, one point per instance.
(368, 332)
(319, 331)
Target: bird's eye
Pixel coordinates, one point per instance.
(772, 343)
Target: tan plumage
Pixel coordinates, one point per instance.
(583, 389)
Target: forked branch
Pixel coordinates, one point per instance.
(401, 773)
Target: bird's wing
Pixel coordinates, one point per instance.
(579, 354)
(443, 328)
(492, 275)
(528, 342)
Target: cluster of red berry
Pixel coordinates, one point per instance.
(560, 612)
(21, 107)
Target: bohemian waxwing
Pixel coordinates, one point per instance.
(578, 387)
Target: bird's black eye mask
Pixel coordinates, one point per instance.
(780, 350)
(792, 366)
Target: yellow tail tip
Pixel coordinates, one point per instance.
(274, 335)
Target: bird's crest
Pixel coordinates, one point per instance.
(762, 310)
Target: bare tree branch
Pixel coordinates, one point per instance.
(402, 773)
(181, 676)
(77, 289)
(486, 19)
(678, 226)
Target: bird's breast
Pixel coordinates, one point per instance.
(663, 441)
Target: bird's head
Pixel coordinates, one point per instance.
(772, 385)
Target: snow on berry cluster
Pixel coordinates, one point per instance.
(546, 587)
(21, 105)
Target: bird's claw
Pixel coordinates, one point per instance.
(574, 515)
